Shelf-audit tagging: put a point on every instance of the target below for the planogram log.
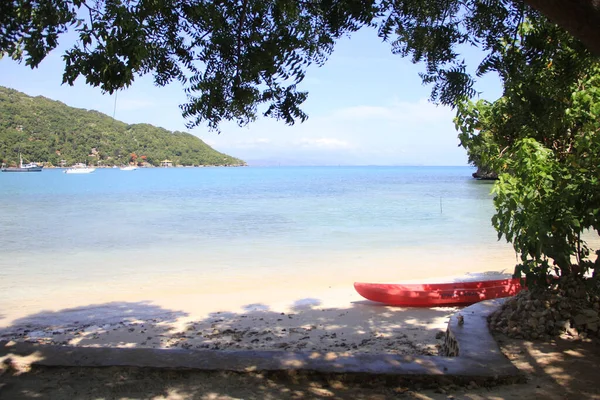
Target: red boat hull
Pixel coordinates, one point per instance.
(438, 294)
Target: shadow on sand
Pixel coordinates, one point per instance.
(558, 370)
(562, 368)
(363, 327)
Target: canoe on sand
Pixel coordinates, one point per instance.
(438, 294)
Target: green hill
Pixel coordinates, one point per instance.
(49, 131)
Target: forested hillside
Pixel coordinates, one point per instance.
(48, 131)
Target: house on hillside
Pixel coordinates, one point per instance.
(166, 163)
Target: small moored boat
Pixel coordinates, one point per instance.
(80, 169)
(438, 294)
(30, 167)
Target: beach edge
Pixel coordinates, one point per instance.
(470, 355)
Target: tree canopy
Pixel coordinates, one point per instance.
(240, 58)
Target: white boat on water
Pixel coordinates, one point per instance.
(129, 168)
(85, 170)
(80, 169)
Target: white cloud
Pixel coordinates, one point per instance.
(251, 143)
(260, 141)
(392, 132)
(362, 112)
(323, 143)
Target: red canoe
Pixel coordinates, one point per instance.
(438, 294)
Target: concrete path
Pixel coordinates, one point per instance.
(474, 357)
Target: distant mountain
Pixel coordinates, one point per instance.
(48, 131)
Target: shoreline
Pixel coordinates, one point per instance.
(311, 307)
(198, 288)
(336, 319)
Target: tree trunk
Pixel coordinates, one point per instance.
(581, 18)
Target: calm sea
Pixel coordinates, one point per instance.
(115, 229)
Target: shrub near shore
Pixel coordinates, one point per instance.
(570, 306)
(542, 137)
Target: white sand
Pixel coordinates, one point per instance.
(336, 321)
(315, 308)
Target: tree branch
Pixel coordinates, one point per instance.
(239, 36)
(581, 18)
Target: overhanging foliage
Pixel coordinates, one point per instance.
(240, 58)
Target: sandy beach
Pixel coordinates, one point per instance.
(312, 309)
(362, 327)
(265, 314)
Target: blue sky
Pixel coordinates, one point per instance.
(366, 106)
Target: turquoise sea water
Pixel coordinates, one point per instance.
(308, 207)
(113, 226)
